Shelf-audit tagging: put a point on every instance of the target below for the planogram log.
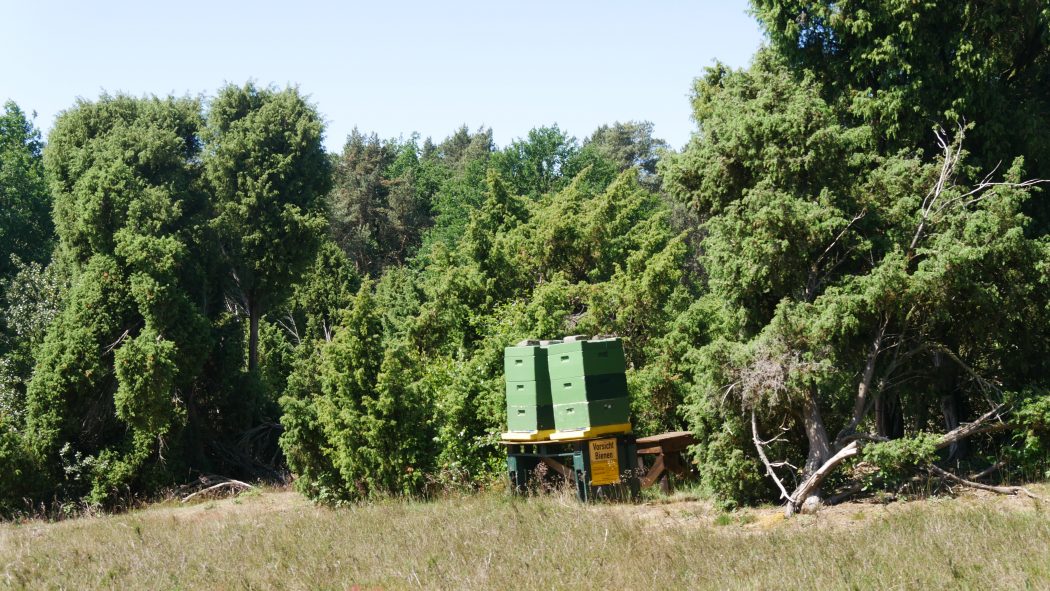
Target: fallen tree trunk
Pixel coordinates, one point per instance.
(814, 480)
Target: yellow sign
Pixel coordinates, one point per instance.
(605, 463)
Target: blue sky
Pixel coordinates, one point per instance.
(392, 68)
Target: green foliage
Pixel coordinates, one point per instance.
(266, 167)
(145, 370)
(879, 63)
(21, 483)
(538, 163)
(25, 221)
(1031, 449)
(33, 298)
(897, 459)
(378, 209)
(112, 372)
(596, 255)
(817, 245)
(727, 468)
(165, 227)
(356, 425)
(627, 145)
(453, 173)
(814, 267)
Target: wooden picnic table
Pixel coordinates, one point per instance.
(665, 450)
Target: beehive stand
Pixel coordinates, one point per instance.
(603, 468)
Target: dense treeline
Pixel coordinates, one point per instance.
(844, 277)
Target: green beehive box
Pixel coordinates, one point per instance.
(578, 416)
(536, 393)
(525, 363)
(588, 388)
(585, 358)
(530, 417)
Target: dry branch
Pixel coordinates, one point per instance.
(978, 426)
(762, 454)
(988, 470)
(1003, 490)
(229, 483)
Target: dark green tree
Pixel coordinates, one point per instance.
(858, 297)
(25, 205)
(115, 371)
(629, 145)
(266, 166)
(378, 213)
(906, 67)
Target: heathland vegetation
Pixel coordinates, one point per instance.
(278, 540)
(842, 282)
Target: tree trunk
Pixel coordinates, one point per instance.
(819, 446)
(952, 407)
(860, 403)
(811, 485)
(253, 337)
(889, 422)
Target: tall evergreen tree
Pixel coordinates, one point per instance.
(860, 296)
(113, 375)
(378, 213)
(906, 67)
(25, 206)
(266, 166)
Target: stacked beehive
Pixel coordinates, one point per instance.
(588, 387)
(530, 413)
(565, 390)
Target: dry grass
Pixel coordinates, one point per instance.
(278, 540)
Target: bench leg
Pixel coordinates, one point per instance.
(654, 473)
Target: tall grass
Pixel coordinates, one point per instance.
(276, 540)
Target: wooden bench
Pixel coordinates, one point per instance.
(665, 450)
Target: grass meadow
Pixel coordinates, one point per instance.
(277, 540)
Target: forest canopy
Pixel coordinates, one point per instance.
(840, 282)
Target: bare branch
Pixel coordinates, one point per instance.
(952, 154)
(977, 426)
(860, 404)
(988, 470)
(1003, 490)
(762, 455)
(729, 389)
(116, 343)
(289, 326)
(841, 234)
(229, 483)
(814, 279)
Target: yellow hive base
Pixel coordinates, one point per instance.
(527, 435)
(592, 432)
